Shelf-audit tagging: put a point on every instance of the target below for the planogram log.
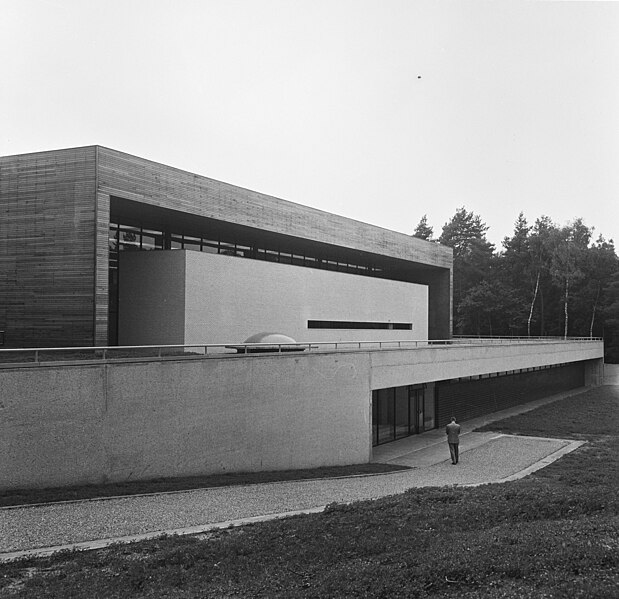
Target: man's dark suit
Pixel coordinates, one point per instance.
(452, 430)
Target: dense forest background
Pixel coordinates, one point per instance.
(546, 280)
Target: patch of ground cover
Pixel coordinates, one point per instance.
(551, 535)
(31, 496)
(592, 413)
(492, 541)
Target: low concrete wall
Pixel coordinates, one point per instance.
(91, 423)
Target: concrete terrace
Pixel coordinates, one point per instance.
(139, 417)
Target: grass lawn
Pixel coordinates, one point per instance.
(552, 534)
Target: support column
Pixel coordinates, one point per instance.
(594, 372)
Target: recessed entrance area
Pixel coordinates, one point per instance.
(398, 412)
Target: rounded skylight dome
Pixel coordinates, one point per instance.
(267, 343)
(277, 338)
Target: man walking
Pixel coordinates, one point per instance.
(452, 430)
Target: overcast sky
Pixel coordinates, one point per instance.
(378, 110)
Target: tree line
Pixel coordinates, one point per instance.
(546, 280)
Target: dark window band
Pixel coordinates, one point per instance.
(346, 324)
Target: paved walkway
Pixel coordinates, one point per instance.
(485, 458)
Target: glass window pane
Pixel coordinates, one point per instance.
(428, 409)
(191, 243)
(227, 249)
(374, 418)
(385, 415)
(151, 242)
(129, 238)
(113, 238)
(243, 251)
(212, 247)
(401, 412)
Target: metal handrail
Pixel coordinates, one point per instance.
(200, 350)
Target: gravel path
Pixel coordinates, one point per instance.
(24, 528)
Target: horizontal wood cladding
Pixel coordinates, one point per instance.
(138, 179)
(101, 275)
(54, 221)
(47, 247)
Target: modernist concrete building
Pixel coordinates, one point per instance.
(99, 248)
(70, 218)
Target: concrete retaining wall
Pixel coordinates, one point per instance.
(91, 423)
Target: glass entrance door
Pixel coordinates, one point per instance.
(398, 412)
(416, 402)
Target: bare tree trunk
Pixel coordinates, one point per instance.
(595, 305)
(567, 293)
(533, 304)
(543, 319)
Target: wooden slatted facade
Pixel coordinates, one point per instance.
(54, 228)
(47, 248)
(155, 184)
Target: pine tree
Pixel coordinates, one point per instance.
(473, 258)
(423, 230)
(518, 274)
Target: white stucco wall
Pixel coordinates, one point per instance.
(226, 299)
(230, 299)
